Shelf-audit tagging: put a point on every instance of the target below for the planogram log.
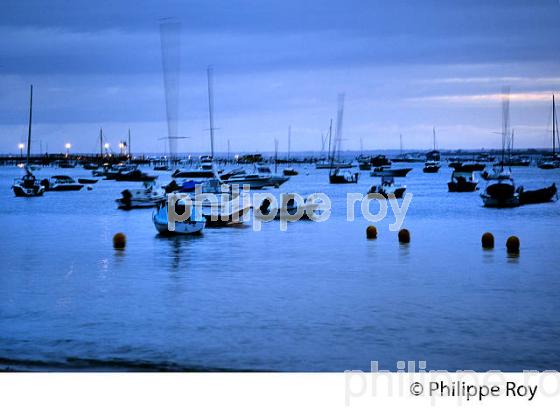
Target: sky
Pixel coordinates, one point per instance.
(404, 67)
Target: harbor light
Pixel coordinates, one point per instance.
(68, 146)
(121, 148)
(21, 147)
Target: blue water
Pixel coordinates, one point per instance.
(318, 297)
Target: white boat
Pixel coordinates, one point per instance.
(255, 181)
(275, 180)
(194, 225)
(501, 192)
(61, 183)
(28, 186)
(147, 197)
(388, 187)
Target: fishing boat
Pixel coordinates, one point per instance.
(552, 161)
(462, 182)
(147, 197)
(58, 183)
(290, 172)
(194, 224)
(537, 196)
(388, 187)
(28, 186)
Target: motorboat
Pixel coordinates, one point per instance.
(110, 172)
(431, 167)
(537, 196)
(390, 172)
(91, 166)
(147, 197)
(520, 161)
(501, 192)
(551, 162)
(134, 175)
(275, 180)
(462, 182)
(88, 181)
(254, 181)
(194, 224)
(27, 186)
(388, 187)
(467, 166)
(61, 183)
(333, 165)
(290, 172)
(338, 176)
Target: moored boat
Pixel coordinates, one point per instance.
(61, 183)
(194, 224)
(147, 197)
(388, 187)
(462, 182)
(537, 196)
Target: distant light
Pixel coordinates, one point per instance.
(68, 145)
(107, 145)
(21, 146)
(121, 145)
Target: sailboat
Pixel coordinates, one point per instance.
(28, 185)
(432, 164)
(336, 174)
(501, 191)
(553, 161)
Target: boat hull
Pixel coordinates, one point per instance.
(23, 192)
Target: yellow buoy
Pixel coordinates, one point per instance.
(487, 240)
(119, 240)
(404, 236)
(513, 244)
(371, 232)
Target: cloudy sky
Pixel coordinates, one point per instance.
(404, 66)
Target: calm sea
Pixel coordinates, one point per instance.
(318, 297)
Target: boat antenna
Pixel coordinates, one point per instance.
(129, 152)
(400, 143)
(101, 143)
(434, 132)
(289, 141)
(29, 128)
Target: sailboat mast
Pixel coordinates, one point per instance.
(29, 128)
(275, 156)
(101, 142)
(330, 135)
(434, 132)
(400, 143)
(211, 108)
(129, 152)
(289, 142)
(553, 126)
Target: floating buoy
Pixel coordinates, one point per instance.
(487, 240)
(513, 244)
(371, 232)
(119, 240)
(404, 236)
